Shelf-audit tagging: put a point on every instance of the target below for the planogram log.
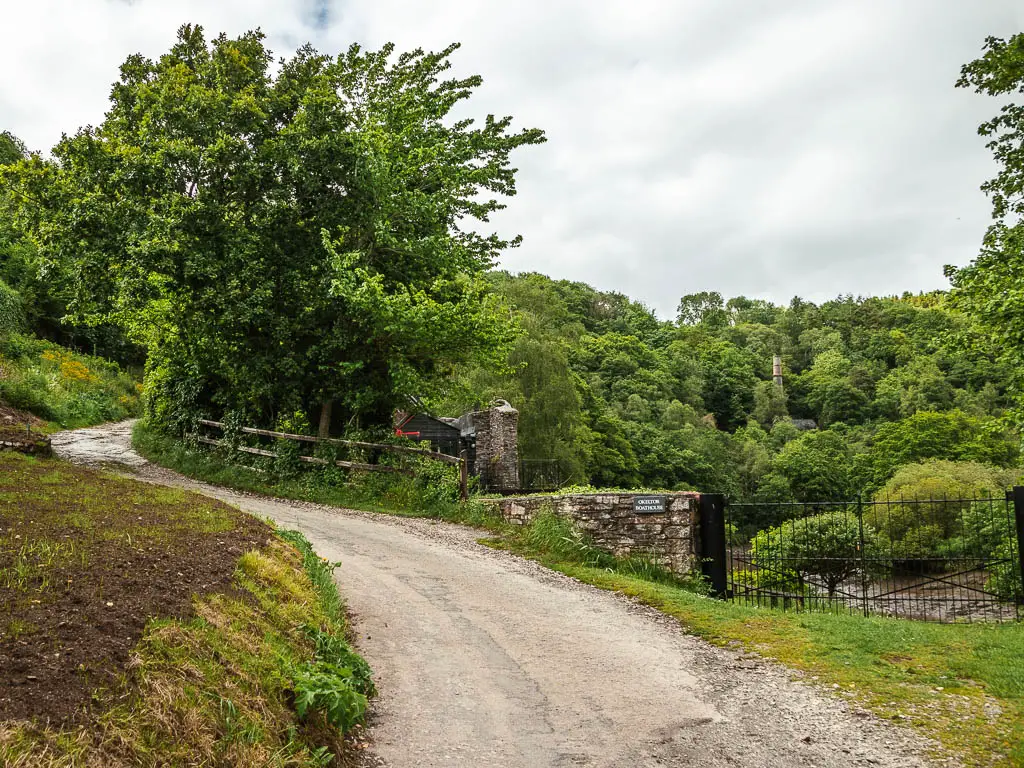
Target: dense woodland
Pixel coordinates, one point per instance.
(293, 246)
(613, 396)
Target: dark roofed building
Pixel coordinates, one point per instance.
(442, 435)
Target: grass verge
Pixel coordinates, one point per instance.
(962, 685)
(389, 494)
(184, 631)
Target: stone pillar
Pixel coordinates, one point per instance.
(497, 454)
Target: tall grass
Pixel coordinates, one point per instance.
(61, 386)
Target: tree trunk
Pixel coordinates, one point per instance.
(325, 419)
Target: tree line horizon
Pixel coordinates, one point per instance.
(297, 245)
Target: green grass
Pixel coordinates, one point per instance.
(35, 561)
(945, 680)
(258, 673)
(962, 685)
(66, 388)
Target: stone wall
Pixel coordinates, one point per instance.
(32, 444)
(609, 520)
(497, 454)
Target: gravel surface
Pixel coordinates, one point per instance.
(486, 659)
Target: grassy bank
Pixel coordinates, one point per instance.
(148, 626)
(65, 388)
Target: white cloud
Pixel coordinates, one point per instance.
(769, 149)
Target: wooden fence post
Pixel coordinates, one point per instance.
(463, 476)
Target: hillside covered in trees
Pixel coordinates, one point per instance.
(294, 249)
(612, 396)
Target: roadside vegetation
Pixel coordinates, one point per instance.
(960, 684)
(69, 389)
(65, 373)
(150, 626)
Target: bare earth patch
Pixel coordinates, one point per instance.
(85, 560)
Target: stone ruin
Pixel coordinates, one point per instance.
(496, 435)
(489, 438)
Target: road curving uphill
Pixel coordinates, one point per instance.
(485, 659)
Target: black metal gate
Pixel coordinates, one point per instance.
(948, 559)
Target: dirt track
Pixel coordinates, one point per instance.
(485, 659)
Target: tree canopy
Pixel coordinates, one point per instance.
(991, 288)
(299, 240)
(284, 238)
(618, 397)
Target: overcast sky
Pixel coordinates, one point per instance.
(768, 149)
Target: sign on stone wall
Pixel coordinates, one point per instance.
(649, 505)
(660, 526)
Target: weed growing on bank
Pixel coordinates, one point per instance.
(64, 387)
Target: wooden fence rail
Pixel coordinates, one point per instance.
(435, 455)
(459, 461)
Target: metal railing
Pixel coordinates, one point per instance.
(945, 559)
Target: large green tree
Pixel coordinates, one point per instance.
(286, 238)
(991, 288)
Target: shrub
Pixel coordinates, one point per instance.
(63, 386)
(953, 436)
(816, 466)
(985, 526)
(12, 316)
(330, 689)
(826, 546)
(1005, 580)
(437, 482)
(934, 493)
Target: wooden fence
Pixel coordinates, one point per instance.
(459, 461)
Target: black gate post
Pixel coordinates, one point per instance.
(1018, 512)
(862, 552)
(712, 542)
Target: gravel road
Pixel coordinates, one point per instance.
(485, 659)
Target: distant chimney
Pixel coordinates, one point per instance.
(777, 371)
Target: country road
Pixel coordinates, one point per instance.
(485, 659)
